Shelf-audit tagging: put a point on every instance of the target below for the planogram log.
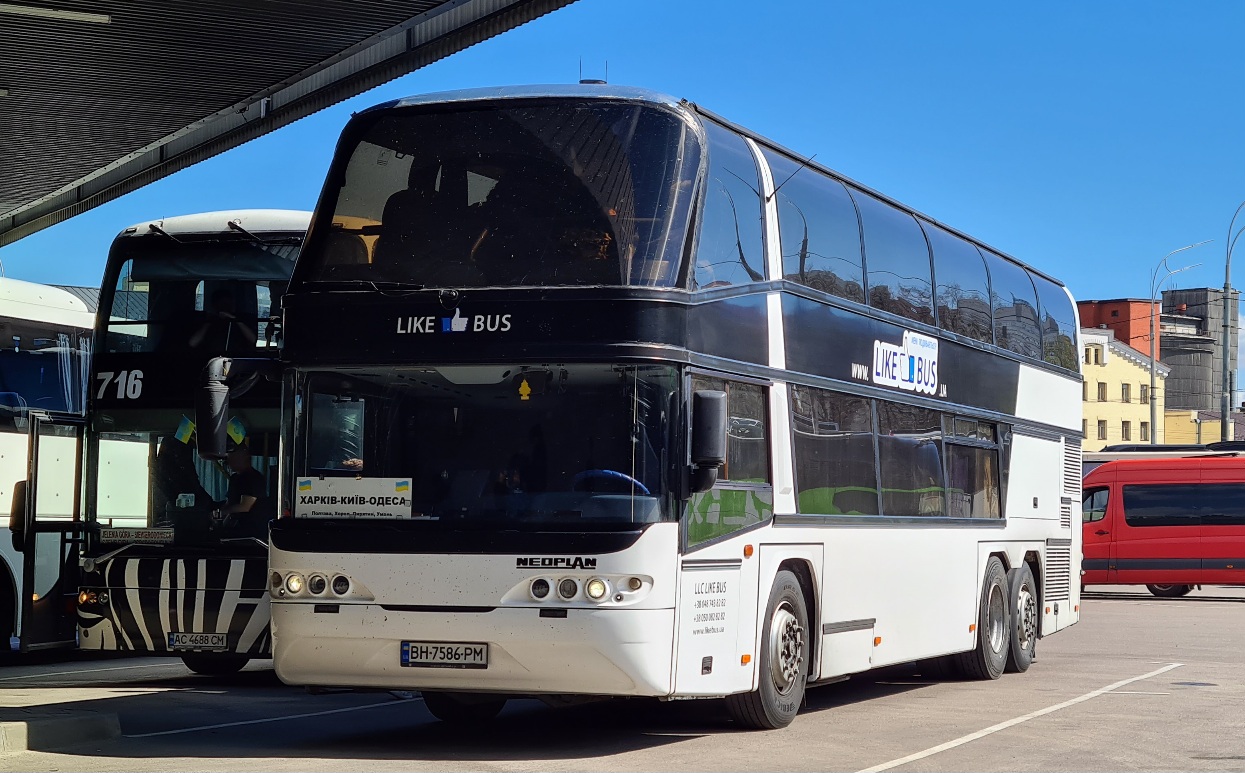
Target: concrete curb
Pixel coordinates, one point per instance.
(47, 729)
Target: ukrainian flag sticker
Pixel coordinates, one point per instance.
(184, 430)
(304, 485)
(402, 485)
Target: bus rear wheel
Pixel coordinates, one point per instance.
(210, 664)
(783, 663)
(462, 708)
(988, 659)
(1170, 591)
(1025, 620)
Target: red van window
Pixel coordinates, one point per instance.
(1184, 504)
(1094, 504)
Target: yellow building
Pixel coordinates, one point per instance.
(1116, 396)
(1198, 426)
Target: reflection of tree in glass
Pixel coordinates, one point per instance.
(966, 312)
(823, 279)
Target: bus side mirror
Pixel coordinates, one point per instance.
(17, 516)
(708, 438)
(212, 409)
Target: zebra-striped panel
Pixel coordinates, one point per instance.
(149, 598)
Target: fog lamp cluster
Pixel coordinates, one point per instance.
(596, 588)
(87, 597)
(313, 585)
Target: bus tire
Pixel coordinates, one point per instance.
(1025, 619)
(211, 664)
(783, 663)
(457, 708)
(1170, 591)
(988, 659)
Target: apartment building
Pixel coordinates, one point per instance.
(1116, 397)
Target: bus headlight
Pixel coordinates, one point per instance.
(597, 588)
(341, 584)
(294, 583)
(317, 584)
(276, 580)
(540, 589)
(568, 588)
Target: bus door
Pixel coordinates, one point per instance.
(52, 532)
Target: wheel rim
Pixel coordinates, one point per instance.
(1164, 588)
(786, 648)
(1027, 620)
(996, 626)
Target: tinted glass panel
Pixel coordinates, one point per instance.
(1015, 308)
(43, 366)
(730, 251)
(972, 482)
(897, 260)
(1188, 504)
(963, 286)
(489, 448)
(729, 506)
(573, 193)
(207, 297)
(819, 231)
(835, 472)
(1094, 505)
(910, 454)
(1058, 324)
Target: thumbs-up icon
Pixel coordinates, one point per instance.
(455, 324)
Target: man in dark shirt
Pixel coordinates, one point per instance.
(246, 509)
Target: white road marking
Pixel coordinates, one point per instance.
(1013, 722)
(85, 671)
(266, 719)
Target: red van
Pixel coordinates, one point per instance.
(1168, 524)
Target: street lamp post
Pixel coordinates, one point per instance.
(1155, 283)
(1225, 399)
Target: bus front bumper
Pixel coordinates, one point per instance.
(620, 652)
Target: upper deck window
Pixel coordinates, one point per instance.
(730, 251)
(897, 259)
(963, 285)
(1058, 324)
(818, 228)
(211, 297)
(560, 193)
(1015, 307)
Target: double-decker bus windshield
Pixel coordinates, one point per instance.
(567, 447)
(561, 194)
(208, 296)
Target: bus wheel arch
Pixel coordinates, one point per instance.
(783, 664)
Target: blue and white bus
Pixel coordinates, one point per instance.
(591, 392)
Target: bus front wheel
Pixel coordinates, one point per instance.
(462, 708)
(988, 659)
(1170, 591)
(783, 662)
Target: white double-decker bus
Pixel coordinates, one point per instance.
(589, 392)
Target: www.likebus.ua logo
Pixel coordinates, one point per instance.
(912, 366)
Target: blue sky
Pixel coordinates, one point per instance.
(1087, 139)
